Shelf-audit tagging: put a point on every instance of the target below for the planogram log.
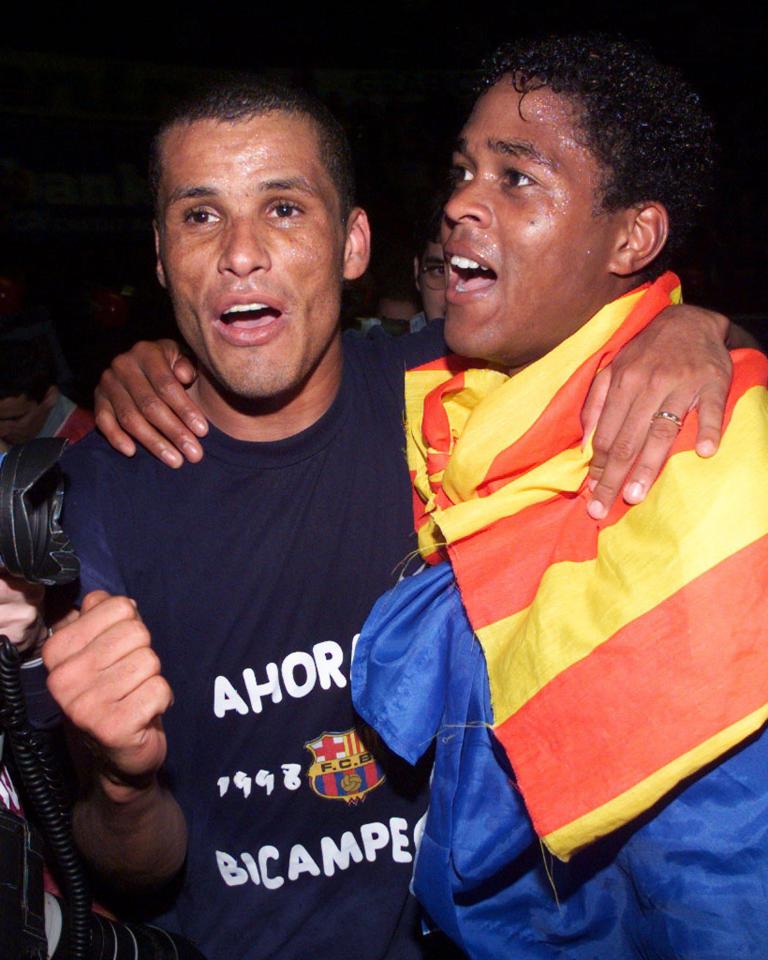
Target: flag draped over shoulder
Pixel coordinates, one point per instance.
(622, 655)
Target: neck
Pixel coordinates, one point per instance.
(265, 419)
(582, 312)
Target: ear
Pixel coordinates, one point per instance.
(357, 246)
(159, 269)
(642, 236)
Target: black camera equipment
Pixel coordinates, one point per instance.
(34, 925)
(32, 544)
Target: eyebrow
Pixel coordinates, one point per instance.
(291, 183)
(189, 193)
(510, 148)
(519, 148)
(267, 186)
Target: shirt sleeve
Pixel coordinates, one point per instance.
(91, 517)
(423, 346)
(384, 359)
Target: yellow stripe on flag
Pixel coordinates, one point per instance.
(699, 507)
(420, 384)
(563, 843)
(564, 472)
(499, 424)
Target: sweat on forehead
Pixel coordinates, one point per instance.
(641, 120)
(243, 98)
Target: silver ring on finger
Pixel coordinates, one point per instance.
(669, 416)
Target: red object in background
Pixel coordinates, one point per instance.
(11, 296)
(109, 308)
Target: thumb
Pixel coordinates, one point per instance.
(93, 599)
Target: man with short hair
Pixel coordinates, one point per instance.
(619, 657)
(31, 403)
(254, 569)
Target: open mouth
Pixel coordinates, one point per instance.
(469, 276)
(247, 315)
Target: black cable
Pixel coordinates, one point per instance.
(33, 546)
(39, 774)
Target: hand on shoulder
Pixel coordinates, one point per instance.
(142, 397)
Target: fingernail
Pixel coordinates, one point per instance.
(199, 426)
(705, 449)
(170, 457)
(596, 510)
(191, 450)
(634, 492)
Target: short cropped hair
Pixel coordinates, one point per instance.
(640, 119)
(243, 97)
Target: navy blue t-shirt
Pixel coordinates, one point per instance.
(254, 570)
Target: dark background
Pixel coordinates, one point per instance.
(80, 91)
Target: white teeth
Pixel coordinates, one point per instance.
(245, 308)
(464, 263)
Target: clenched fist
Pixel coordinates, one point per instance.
(106, 678)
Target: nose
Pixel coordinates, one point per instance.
(468, 204)
(243, 250)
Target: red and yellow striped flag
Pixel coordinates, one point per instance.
(623, 655)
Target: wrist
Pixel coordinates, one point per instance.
(32, 640)
(122, 790)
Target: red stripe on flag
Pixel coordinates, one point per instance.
(499, 568)
(652, 673)
(559, 425)
(436, 463)
(435, 424)
(450, 363)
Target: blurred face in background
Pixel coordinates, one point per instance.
(22, 418)
(430, 276)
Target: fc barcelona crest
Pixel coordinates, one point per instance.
(343, 768)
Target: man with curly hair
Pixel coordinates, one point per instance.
(619, 808)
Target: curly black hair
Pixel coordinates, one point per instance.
(640, 119)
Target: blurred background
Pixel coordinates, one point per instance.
(81, 89)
